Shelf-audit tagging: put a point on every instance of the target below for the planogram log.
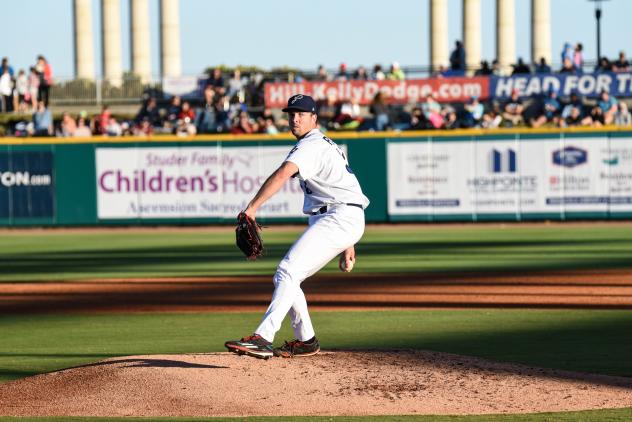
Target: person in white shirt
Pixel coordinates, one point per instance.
(335, 203)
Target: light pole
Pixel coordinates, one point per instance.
(598, 18)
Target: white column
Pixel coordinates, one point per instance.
(505, 35)
(472, 34)
(141, 49)
(540, 30)
(111, 38)
(438, 33)
(84, 49)
(170, 38)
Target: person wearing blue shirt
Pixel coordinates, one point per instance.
(550, 111)
(42, 121)
(608, 106)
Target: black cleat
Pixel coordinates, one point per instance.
(254, 345)
(297, 348)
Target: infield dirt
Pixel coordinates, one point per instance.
(603, 289)
(331, 383)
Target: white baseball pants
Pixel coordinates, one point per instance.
(325, 238)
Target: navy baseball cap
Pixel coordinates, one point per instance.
(301, 102)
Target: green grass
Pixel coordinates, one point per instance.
(596, 341)
(65, 256)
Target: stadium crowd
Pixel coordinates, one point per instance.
(235, 103)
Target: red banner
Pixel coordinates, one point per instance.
(394, 92)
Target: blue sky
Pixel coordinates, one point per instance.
(302, 33)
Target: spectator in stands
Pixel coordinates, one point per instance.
(457, 58)
(573, 118)
(348, 117)
(67, 126)
(5, 65)
(549, 112)
(21, 94)
(567, 66)
(113, 128)
(396, 73)
(622, 117)
(432, 111)
(149, 112)
(185, 125)
(342, 74)
(492, 119)
(378, 73)
(578, 57)
(236, 84)
(418, 120)
(597, 116)
(269, 126)
(608, 106)
(621, 64)
(243, 125)
(322, 75)
(473, 113)
(143, 128)
(206, 117)
(6, 90)
(520, 67)
(33, 87)
(573, 101)
(604, 65)
(379, 110)
(450, 119)
(42, 121)
(216, 80)
(567, 52)
(100, 121)
(82, 130)
(442, 72)
(360, 74)
(485, 70)
(513, 109)
(173, 113)
(542, 67)
(496, 68)
(45, 73)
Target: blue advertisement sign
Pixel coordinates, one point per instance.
(26, 184)
(583, 84)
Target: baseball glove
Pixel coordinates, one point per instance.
(247, 236)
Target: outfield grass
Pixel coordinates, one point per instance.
(578, 340)
(64, 256)
(595, 341)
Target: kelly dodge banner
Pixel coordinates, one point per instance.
(510, 176)
(454, 89)
(190, 182)
(400, 92)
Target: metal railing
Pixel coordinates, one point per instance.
(127, 90)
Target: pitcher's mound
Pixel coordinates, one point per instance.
(396, 382)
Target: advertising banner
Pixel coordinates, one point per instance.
(586, 84)
(394, 92)
(190, 182)
(510, 176)
(26, 184)
(615, 169)
(573, 168)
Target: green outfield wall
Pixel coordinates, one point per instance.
(408, 176)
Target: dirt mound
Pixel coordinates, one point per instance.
(331, 383)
